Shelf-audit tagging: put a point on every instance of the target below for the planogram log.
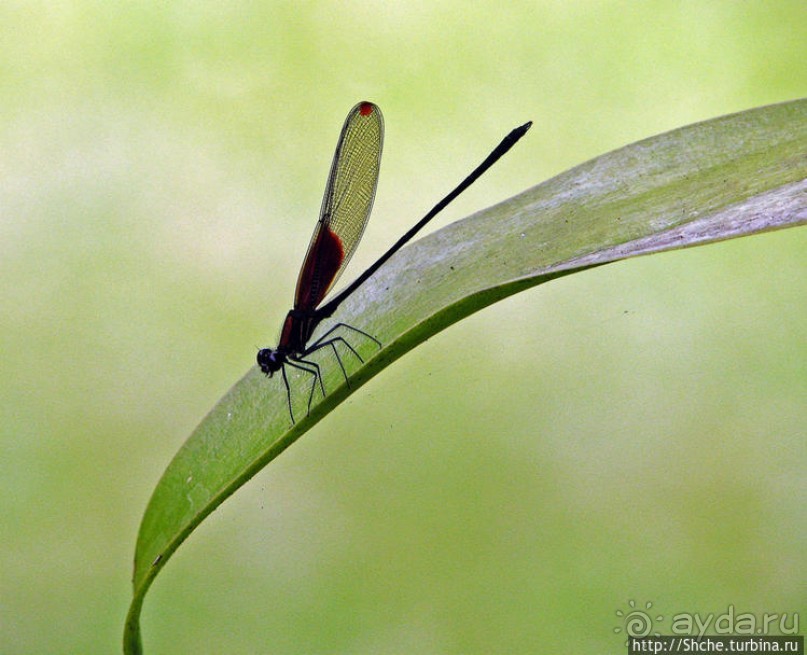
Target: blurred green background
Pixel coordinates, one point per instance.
(635, 432)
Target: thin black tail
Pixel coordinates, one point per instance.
(498, 152)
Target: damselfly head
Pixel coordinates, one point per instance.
(271, 361)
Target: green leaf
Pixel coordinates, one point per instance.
(731, 176)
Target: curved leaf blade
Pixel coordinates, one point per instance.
(727, 177)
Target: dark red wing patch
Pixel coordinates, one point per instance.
(321, 266)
